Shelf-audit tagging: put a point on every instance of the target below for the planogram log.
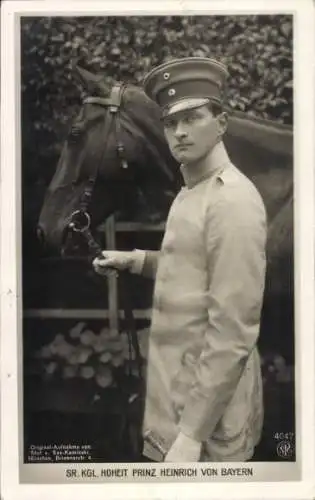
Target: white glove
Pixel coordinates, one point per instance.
(115, 259)
(184, 449)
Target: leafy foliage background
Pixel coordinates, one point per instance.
(256, 49)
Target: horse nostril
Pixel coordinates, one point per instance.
(40, 235)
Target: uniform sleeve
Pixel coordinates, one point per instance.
(145, 262)
(235, 238)
(150, 263)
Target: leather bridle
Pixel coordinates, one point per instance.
(80, 219)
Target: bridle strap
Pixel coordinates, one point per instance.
(101, 101)
(113, 101)
(112, 105)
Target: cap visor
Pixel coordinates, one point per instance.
(185, 104)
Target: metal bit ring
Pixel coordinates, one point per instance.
(79, 226)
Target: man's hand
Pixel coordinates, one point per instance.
(184, 449)
(121, 261)
(112, 259)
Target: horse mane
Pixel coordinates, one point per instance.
(265, 134)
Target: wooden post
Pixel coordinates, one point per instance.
(112, 280)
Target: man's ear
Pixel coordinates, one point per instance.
(222, 119)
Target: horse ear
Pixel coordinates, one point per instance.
(94, 84)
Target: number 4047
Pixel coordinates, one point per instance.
(283, 435)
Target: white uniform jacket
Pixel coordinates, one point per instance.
(204, 376)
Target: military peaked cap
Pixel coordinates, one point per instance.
(186, 83)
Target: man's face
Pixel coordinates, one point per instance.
(191, 134)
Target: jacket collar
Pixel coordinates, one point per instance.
(194, 174)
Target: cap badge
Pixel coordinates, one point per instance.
(171, 92)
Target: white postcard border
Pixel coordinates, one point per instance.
(11, 327)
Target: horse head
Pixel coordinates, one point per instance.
(115, 157)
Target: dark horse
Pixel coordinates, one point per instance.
(116, 149)
(115, 158)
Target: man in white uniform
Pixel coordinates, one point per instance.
(204, 389)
